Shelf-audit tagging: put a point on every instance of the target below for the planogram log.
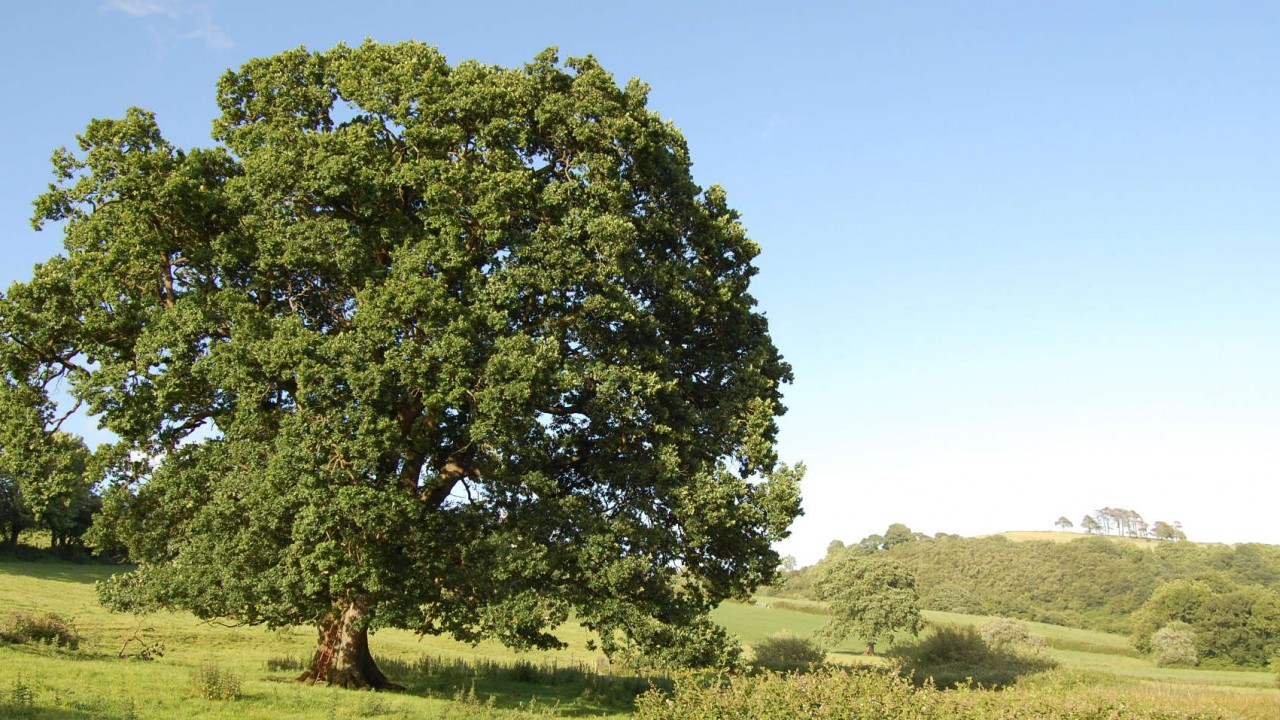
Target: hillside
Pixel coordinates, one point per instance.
(1095, 582)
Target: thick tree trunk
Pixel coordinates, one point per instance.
(342, 656)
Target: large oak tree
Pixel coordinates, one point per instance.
(461, 349)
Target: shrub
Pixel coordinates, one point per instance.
(948, 644)
(1174, 644)
(959, 656)
(44, 629)
(22, 696)
(785, 652)
(1006, 633)
(211, 682)
(285, 662)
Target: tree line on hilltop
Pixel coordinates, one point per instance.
(1125, 523)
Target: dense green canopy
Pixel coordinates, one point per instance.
(462, 349)
(869, 596)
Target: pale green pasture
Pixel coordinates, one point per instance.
(1144, 669)
(95, 682)
(1057, 636)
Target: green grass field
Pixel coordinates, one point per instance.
(444, 678)
(94, 682)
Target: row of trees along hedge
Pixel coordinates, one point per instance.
(459, 349)
(1090, 582)
(45, 483)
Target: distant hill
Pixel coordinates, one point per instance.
(1072, 579)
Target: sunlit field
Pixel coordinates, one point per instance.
(106, 677)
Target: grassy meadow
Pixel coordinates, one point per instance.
(445, 679)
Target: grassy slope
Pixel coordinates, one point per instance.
(95, 683)
(1073, 648)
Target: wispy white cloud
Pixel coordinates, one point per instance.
(144, 8)
(181, 20)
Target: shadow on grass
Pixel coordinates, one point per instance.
(1092, 647)
(574, 690)
(17, 712)
(45, 564)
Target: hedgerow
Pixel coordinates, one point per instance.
(878, 694)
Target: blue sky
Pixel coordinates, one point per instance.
(1022, 256)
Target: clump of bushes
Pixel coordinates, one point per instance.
(1174, 644)
(946, 645)
(211, 682)
(785, 652)
(40, 629)
(960, 656)
(1009, 634)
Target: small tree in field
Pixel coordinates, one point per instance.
(1174, 644)
(1164, 531)
(870, 597)
(1064, 524)
(457, 349)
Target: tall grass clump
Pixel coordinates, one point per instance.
(20, 699)
(285, 663)
(465, 679)
(22, 628)
(211, 682)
